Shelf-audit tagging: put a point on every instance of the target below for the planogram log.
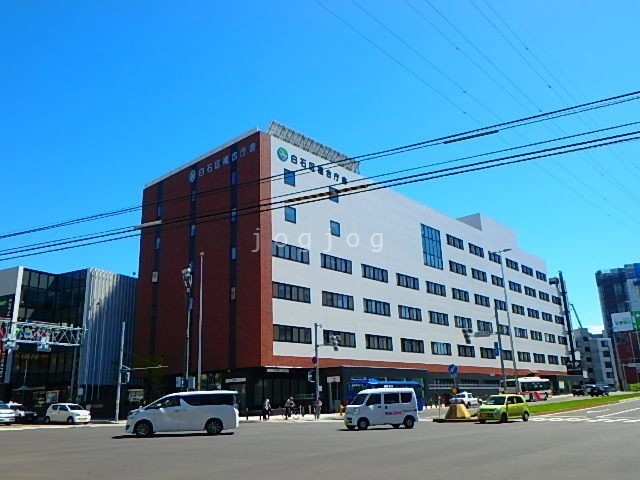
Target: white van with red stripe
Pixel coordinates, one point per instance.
(382, 406)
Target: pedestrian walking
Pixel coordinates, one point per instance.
(318, 407)
(288, 406)
(266, 409)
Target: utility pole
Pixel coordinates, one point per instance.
(199, 379)
(567, 314)
(187, 278)
(119, 383)
(504, 377)
(315, 328)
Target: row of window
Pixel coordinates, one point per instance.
(292, 334)
(343, 301)
(331, 262)
(432, 250)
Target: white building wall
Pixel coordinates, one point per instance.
(386, 228)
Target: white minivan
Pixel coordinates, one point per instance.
(382, 406)
(211, 411)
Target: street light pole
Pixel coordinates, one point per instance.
(119, 382)
(506, 304)
(187, 278)
(199, 379)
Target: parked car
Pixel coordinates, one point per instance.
(466, 399)
(578, 390)
(7, 416)
(70, 413)
(598, 390)
(22, 414)
(504, 407)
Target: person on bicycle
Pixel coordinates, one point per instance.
(288, 406)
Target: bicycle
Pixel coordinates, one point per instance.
(295, 413)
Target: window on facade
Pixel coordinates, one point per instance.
(547, 317)
(479, 275)
(334, 195)
(543, 296)
(514, 286)
(290, 177)
(440, 348)
(553, 359)
(520, 332)
(541, 276)
(499, 281)
(458, 268)
(436, 289)
(157, 243)
(192, 231)
(375, 273)
(411, 345)
(524, 356)
(530, 291)
(438, 318)
(482, 300)
(234, 215)
(484, 326)
(334, 228)
(455, 242)
(535, 335)
(538, 358)
(495, 257)
(159, 211)
(233, 254)
(234, 177)
(376, 307)
(519, 309)
(500, 304)
(466, 351)
(290, 214)
(559, 319)
(462, 322)
(294, 293)
(487, 353)
(337, 300)
(507, 355)
(549, 338)
(335, 263)
(290, 334)
(461, 295)
(533, 313)
(154, 276)
(512, 264)
(476, 250)
(408, 281)
(527, 270)
(194, 195)
(378, 342)
(347, 339)
(410, 313)
(431, 247)
(289, 252)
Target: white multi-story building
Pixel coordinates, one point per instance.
(396, 280)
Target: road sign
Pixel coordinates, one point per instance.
(334, 379)
(453, 369)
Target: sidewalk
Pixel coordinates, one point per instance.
(306, 418)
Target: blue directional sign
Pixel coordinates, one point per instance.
(496, 349)
(453, 369)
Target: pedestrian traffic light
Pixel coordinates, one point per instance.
(467, 335)
(335, 341)
(311, 376)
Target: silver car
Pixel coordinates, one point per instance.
(7, 415)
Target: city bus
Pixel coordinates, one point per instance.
(356, 384)
(532, 388)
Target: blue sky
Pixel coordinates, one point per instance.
(100, 98)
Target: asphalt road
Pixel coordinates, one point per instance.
(596, 443)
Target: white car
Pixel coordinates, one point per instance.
(70, 413)
(7, 415)
(466, 399)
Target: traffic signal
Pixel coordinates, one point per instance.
(311, 376)
(467, 335)
(335, 341)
